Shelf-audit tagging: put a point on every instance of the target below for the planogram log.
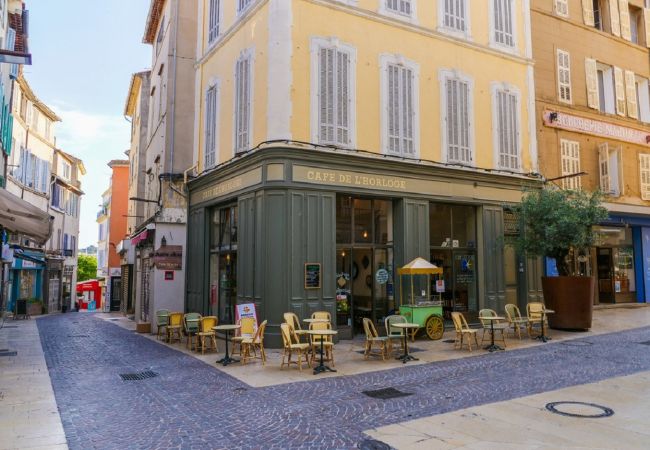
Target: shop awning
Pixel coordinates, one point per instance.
(139, 237)
(18, 216)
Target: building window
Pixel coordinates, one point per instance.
(643, 99)
(503, 22)
(636, 24)
(242, 5)
(644, 175)
(562, 8)
(610, 169)
(454, 15)
(457, 123)
(65, 170)
(333, 93)
(506, 131)
(570, 163)
(243, 101)
(210, 127)
(600, 86)
(214, 21)
(399, 6)
(564, 76)
(399, 87)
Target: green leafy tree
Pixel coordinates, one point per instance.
(556, 221)
(86, 267)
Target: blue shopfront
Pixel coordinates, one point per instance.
(26, 280)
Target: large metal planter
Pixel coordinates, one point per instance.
(571, 299)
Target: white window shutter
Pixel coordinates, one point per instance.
(562, 8)
(564, 76)
(630, 89)
(603, 167)
(644, 175)
(401, 111)
(588, 13)
(619, 85)
(570, 162)
(614, 17)
(624, 10)
(591, 70)
(646, 21)
(455, 14)
(326, 95)
(213, 24)
(334, 97)
(342, 98)
(242, 104)
(619, 186)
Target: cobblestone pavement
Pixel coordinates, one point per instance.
(194, 405)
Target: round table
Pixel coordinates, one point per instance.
(322, 367)
(406, 326)
(542, 337)
(492, 347)
(227, 328)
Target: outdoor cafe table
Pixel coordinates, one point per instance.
(492, 347)
(227, 328)
(406, 326)
(542, 337)
(315, 320)
(322, 333)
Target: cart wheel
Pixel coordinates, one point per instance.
(435, 327)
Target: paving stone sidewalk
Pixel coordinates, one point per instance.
(194, 405)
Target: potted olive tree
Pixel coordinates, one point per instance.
(554, 223)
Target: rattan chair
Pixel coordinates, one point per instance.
(372, 338)
(162, 320)
(175, 327)
(191, 328)
(255, 343)
(534, 313)
(246, 331)
(462, 330)
(291, 347)
(294, 322)
(206, 332)
(489, 327)
(394, 333)
(328, 343)
(516, 321)
(322, 315)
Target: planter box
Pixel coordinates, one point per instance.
(143, 327)
(572, 300)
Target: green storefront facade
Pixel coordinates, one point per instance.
(292, 228)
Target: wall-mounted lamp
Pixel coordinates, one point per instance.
(365, 234)
(553, 117)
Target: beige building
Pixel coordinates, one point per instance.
(592, 72)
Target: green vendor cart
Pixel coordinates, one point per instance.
(423, 310)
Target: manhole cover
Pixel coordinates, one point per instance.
(138, 376)
(449, 341)
(386, 393)
(577, 343)
(579, 409)
(372, 444)
(645, 343)
(8, 353)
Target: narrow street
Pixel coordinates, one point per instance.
(191, 404)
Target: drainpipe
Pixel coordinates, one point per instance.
(173, 105)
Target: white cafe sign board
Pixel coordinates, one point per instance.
(596, 127)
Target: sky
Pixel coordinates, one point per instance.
(83, 55)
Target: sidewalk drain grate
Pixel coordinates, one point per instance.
(577, 343)
(386, 393)
(138, 376)
(645, 343)
(8, 353)
(604, 411)
(372, 444)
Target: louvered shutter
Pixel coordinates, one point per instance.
(243, 103)
(507, 130)
(588, 12)
(644, 175)
(619, 85)
(563, 76)
(213, 26)
(11, 45)
(617, 159)
(210, 127)
(591, 70)
(630, 89)
(603, 166)
(624, 14)
(454, 14)
(393, 108)
(400, 110)
(561, 8)
(614, 17)
(458, 121)
(334, 96)
(406, 110)
(36, 182)
(326, 95)
(646, 22)
(503, 26)
(342, 98)
(570, 163)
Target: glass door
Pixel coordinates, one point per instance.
(604, 264)
(344, 293)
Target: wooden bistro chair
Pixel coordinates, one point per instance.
(394, 333)
(516, 321)
(294, 322)
(206, 332)
(175, 327)
(372, 337)
(247, 331)
(162, 320)
(291, 347)
(191, 323)
(462, 330)
(534, 313)
(255, 343)
(328, 343)
(488, 326)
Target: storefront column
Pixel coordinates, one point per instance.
(411, 223)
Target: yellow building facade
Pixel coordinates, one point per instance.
(414, 113)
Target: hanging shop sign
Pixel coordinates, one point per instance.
(168, 257)
(596, 127)
(312, 275)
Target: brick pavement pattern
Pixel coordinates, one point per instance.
(195, 405)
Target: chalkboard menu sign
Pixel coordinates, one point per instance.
(312, 275)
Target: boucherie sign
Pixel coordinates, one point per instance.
(595, 127)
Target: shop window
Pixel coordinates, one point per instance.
(224, 228)
(363, 221)
(223, 263)
(343, 219)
